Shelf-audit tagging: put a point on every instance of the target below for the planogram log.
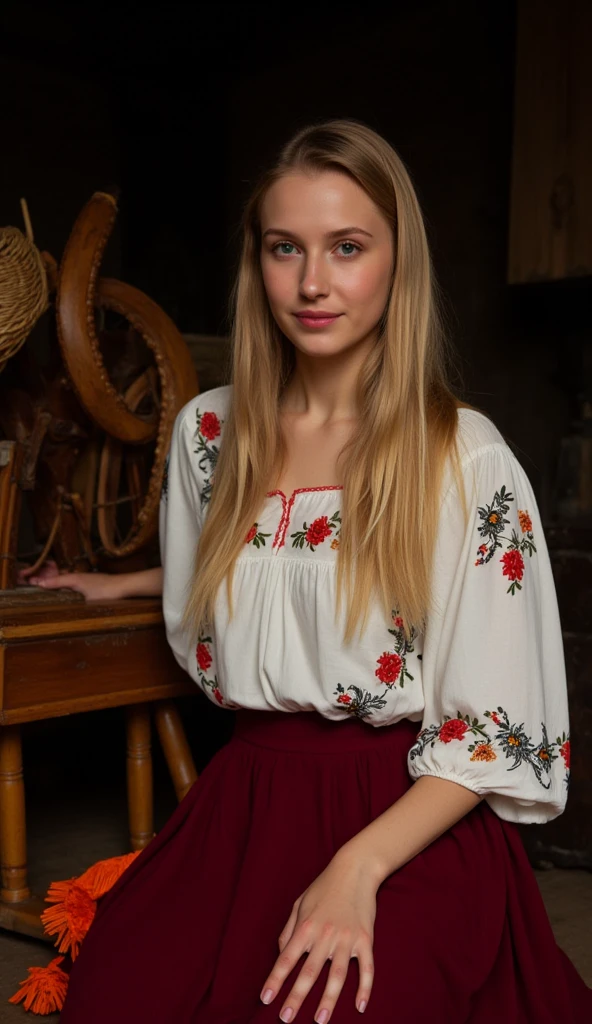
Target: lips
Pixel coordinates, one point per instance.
(316, 319)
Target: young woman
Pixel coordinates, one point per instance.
(372, 594)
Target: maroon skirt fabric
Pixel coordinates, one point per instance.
(188, 934)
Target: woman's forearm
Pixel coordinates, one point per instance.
(430, 807)
(146, 583)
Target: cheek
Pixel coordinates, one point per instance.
(277, 284)
(366, 286)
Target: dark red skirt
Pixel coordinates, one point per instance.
(189, 933)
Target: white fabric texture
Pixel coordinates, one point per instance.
(486, 680)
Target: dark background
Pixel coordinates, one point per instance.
(182, 106)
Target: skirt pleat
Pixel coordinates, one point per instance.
(189, 933)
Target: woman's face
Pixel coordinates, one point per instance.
(326, 247)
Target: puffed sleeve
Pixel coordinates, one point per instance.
(493, 671)
(180, 522)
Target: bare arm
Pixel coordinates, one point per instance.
(100, 586)
(430, 807)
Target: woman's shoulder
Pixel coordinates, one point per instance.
(205, 413)
(476, 434)
(216, 401)
(482, 450)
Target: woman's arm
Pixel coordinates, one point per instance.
(430, 807)
(99, 586)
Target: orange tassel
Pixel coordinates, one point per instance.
(102, 876)
(75, 901)
(44, 991)
(71, 918)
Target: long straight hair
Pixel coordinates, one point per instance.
(392, 465)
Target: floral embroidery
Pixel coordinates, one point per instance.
(492, 525)
(512, 741)
(255, 537)
(564, 746)
(392, 669)
(207, 430)
(164, 490)
(317, 532)
(392, 665)
(204, 662)
(359, 702)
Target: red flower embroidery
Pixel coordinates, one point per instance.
(454, 729)
(494, 717)
(398, 621)
(565, 751)
(513, 564)
(344, 699)
(318, 531)
(204, 658)
(389, 667)
(252, 533)
(218, 695)
(209, 426)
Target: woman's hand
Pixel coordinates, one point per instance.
(93, 585)
(333, 919)
(98, 586)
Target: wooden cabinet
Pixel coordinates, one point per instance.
(551, 194)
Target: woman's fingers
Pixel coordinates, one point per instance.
(288, 929)
(64, 579)
(299, 943)
(309, 973)
(325, 948)
(365, 958)
(48, 570)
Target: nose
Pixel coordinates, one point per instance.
(315, 277)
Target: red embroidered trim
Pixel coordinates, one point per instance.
(287, 505)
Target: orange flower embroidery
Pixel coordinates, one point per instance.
(492, 525)
(484, 752)
(525, 521)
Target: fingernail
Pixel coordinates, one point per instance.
(322, 1017)
(362, 1006)
(287, 1014)
(267, 995)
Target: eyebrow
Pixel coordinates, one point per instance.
(328, 234)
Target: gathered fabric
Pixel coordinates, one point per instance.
(486, 679)
(189, 932)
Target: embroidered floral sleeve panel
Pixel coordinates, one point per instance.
(180, 520)
(485, 682)
(493, 670)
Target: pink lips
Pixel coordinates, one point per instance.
(316, 321)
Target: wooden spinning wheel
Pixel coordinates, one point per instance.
(169, 384)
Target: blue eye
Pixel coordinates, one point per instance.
(348, 256)
(283, 243)
(357, 248)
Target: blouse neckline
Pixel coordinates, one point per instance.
(287, 506)
(301, 490)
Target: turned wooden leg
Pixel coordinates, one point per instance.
(175, 746)
(13, 831)
(139, 776)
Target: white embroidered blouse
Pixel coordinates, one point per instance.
(486, 680)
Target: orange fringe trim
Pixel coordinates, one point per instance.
(44, 991)
(71, 918)
(75, 901)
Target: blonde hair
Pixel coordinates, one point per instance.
(393, 465)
